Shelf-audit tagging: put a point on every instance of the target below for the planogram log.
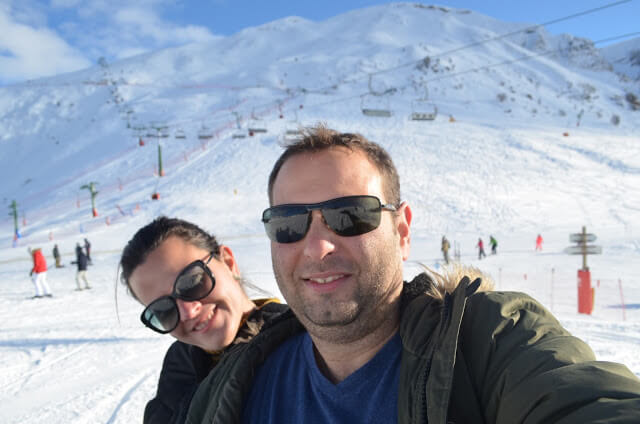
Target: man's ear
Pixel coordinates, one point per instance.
(403, 227)
(226, 256)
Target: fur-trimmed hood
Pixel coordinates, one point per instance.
(437, 285)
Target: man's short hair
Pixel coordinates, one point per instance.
(320, 138)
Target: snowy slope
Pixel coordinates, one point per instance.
(496, 160)
(625, 58)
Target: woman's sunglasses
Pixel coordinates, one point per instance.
(346, 216)
(194, 282)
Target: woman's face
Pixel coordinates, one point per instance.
(210, 323)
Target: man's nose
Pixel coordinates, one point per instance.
(320, 240)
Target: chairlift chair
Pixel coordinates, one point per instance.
(205, 133)
(292, 130)
(422, 110)
(180, 134)
(255, 127)
(375, 106)
(239, 133)
(291, 135)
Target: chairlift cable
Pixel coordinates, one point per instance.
(507, 62)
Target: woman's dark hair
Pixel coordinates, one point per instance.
(153, 234)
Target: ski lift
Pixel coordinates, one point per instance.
(180, 133)
(205, 133)
(163, 132)
(255, 126)
(281, 115)
(292, 131)
(238, 134)
(375, 106)
(422, 109)
(375, 103)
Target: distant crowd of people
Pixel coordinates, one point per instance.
(39, 270)
(493, 242)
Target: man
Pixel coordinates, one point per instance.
(494, 245)
(81, 275)
(56, 256)
(480, 247)
(374, 349)
(445, 249)
(87, 248)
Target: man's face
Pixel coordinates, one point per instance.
(339, 287)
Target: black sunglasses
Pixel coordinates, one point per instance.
(194, 282)
(346, 216)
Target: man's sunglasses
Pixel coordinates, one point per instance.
(346, 216)
(194, 282)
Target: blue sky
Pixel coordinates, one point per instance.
(47, 37)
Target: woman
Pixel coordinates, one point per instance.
(191, 288)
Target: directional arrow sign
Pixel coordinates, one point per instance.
(579, 250)
(582, 238)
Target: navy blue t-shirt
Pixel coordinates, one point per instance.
(289, 388)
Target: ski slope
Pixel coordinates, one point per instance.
(516, 149)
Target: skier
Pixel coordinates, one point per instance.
(445, 249)
(87, 248)
(38, 273)
(539, 242)
(494, 245)
(81, 261)
(480, 247)
(56, 256)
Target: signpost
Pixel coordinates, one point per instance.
(585, 291)
(579, 237)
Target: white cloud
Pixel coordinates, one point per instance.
(56, 36)
(31, 52)
(146, 23)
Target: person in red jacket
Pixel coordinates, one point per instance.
(539, 242)
(480, 247)
(39, 273)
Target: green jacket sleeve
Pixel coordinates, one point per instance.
(528, 369)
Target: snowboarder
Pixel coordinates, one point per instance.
(445, 249)
(87, 248)
(56, 256)
(494, 245)
(81, 261)
(38, 273)
(480, 247)
(539, 243)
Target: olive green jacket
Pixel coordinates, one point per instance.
(468, 357)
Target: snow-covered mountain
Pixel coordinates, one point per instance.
(533, 133)
(512, 99)
(625, 58)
